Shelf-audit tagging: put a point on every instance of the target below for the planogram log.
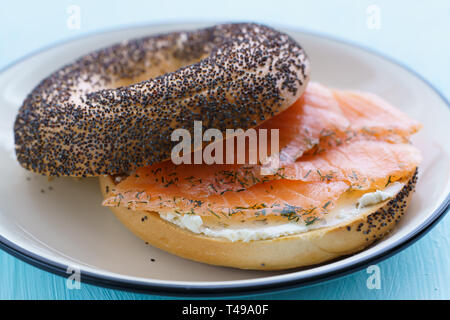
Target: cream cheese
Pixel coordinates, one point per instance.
(378, 196)
(194, 223)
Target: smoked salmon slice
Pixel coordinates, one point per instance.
(369, 113)
(331, 141)
(309, 183)
(362, 164)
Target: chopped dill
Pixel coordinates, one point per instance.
(326, 204)
(307, 174)
(310, 221)
(213, 213)
(388, 182)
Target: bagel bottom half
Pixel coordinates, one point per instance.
(297, 250)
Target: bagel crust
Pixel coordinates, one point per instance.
(114, 110)
(298, 250)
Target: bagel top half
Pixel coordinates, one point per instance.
(114, 110)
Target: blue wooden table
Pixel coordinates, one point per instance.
(414, 32)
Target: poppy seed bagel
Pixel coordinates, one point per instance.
(113, 110)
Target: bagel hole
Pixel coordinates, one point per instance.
(163, 67)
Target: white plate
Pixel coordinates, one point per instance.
(60, 223)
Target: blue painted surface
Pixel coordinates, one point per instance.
(415, 33)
